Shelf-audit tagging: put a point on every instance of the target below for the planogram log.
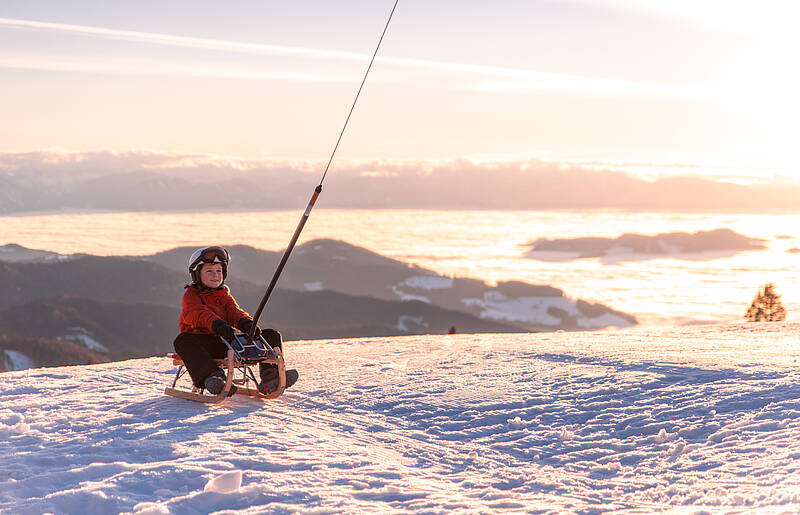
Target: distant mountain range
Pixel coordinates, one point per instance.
(124, 307)
(148, 181)
(331, 265)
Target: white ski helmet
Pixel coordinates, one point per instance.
(208, 255)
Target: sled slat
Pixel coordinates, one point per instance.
(212, 399)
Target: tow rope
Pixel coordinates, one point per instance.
(317, 191)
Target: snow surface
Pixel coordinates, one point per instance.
(696, 419)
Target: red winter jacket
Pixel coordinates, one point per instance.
(201, 307)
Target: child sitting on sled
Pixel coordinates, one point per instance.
(209, 312)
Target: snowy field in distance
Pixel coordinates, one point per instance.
(694, 419)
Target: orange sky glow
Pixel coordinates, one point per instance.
(649, 87)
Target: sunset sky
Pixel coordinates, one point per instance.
(679, 87)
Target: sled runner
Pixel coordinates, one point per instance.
(241, 356)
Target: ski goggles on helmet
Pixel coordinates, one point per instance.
(214, 255)
(209, 255)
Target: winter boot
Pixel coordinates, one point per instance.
(269, 378)
(215, 382)
(291, 377)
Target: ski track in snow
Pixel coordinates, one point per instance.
(699, 419)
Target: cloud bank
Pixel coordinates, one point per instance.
(160, 181)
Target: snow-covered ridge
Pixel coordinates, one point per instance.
(686, 419)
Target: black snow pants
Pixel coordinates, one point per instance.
(198, 352)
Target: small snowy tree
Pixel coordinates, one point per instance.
(766, 307)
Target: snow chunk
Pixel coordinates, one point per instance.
(662, 436)
(12, 423)
(226, 483)
(608, 469)
(566, 434)
(516, 423)
(677, 449)
(20, 428)
(151, 508)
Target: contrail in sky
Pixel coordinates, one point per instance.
(531, 81)
(183, 41)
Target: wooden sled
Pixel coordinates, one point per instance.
(238, 375)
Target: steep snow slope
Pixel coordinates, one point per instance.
(640, 420)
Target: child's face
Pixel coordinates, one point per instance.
(211, 274)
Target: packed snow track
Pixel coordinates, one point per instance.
(619, 421)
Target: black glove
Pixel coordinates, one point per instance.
(222, 328)
(245, 324)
